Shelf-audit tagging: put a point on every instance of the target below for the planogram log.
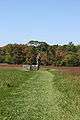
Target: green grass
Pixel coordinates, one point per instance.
(39, 95)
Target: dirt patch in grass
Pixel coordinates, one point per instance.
(72, 70)
(10, 65)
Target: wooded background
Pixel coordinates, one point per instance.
(57, 55)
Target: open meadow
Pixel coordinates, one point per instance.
(47, 94)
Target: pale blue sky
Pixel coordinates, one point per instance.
(54, 21)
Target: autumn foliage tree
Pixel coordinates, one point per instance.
(57, 55)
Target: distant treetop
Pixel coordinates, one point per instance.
(36, 43)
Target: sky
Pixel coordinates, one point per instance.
(51, 21)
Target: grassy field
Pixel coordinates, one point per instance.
(39, 95)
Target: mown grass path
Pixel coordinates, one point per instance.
(35, 95)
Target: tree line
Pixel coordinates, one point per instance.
(57, 55)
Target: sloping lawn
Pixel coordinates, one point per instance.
(39, 95)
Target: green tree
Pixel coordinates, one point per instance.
(8, 59)
(71, 59)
